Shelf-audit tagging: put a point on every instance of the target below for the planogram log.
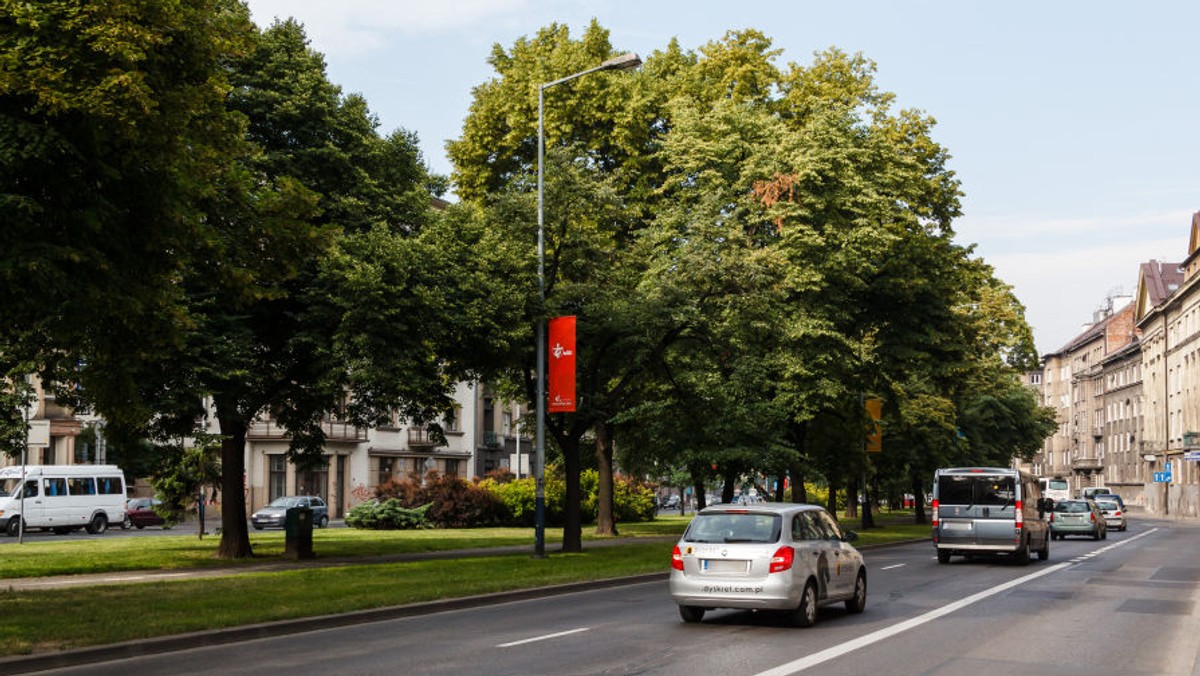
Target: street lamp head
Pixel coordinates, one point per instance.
(623, 62)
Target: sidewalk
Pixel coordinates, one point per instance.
(139, 576)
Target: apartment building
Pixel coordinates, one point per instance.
(482, 436)
(1073, 381)
(1170, 327)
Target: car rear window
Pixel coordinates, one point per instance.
(976, 490)
(1072, 506)
(734, 527)
(1109, 506)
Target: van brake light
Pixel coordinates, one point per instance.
(1020, 516)
(935, 513)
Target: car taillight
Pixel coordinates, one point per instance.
(1092, 516)
(1117, 513)
(782, 559)
(1051, 517)
(676, 558)
(935, 513)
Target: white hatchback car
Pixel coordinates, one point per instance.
(768, 556)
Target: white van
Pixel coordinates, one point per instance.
(61, 498)
(1055, 488)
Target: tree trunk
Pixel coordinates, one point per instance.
(852, 498)
(831, 501)
(701, 498)
(918, 491)
(606, 523)
(572, 538)
(868, 519)
(798, 433)
(799, 492)
(235, 535)
(727, 488)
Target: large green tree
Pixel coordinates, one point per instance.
(113, 125)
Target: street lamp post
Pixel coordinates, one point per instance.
(622, 62)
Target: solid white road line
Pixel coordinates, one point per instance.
(876, 636)
(542, 638)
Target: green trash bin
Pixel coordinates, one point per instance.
(298, 533)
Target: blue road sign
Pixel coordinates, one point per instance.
(1162, 477)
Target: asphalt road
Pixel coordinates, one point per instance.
(1126, 605)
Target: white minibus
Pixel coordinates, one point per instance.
(61, 498)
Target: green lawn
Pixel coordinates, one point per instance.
(38, 621)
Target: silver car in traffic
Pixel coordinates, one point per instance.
(767, 556)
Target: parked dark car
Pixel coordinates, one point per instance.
(275, 513)
(139, 513)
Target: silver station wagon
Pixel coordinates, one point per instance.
(768, 556)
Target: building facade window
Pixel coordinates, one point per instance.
(277, 477)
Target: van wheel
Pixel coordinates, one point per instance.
(14, 527)
(691, 614)
(943, 556)
(805, 615)
(98, 525)
(1022, 554)
(1044, 552)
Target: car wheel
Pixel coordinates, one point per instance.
(98, 525)
(126, 523)
(858, 602)
(943, 556)
(805, 615)
(257, 527)
(323, 521)
(1104, 534)
(691, 614)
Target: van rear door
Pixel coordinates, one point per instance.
(977, 509)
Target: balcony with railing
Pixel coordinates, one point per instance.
(335, 430)
(420, 437)
(492, 439)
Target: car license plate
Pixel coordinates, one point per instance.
(956, 525)
(724, 566)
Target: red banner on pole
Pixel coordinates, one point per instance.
(562, 365)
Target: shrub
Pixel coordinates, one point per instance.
(632, 500)
(458, 504)
(388, 515)
(453, 502)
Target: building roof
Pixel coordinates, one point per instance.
(1161, 279)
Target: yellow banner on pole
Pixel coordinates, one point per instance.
(875, 436)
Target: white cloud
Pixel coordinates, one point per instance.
(1011, 227)
(1062, 288)
(360, 26)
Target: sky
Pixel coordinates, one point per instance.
(1073, 126)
